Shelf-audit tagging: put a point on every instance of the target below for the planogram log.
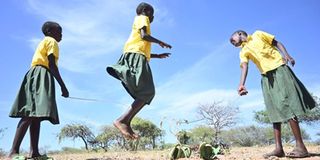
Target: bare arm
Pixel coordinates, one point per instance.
(244, 71)
(56, 74)
(145, 36)
(162, 55)
(282, 49)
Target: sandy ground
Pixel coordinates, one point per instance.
(237, 153)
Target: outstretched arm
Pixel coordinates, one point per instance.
(56, 74)
(162, 55)
(287, 58)
(244, 71)
(145, 36)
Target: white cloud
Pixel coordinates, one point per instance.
(254, 100)
(315, 90)
(182, 92)
(34, 42)
(93, 30)
(76, 118)
(162, 17)
(186, 103)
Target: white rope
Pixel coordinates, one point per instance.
(97, 100)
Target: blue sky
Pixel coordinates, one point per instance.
(204, 66)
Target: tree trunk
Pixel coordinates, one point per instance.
(85, 143)
(216, 135)
(153, 142)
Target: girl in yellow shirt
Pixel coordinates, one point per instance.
(285, 96)
(133, 68)
(36, 100)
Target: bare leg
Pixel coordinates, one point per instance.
(278, 151)
(22, 128)
(34, 137)
(300, 148)
(123, 122)
(277, 136)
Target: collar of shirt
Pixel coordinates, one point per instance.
(249, 38)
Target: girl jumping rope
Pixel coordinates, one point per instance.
(36, 99)
(133, 68)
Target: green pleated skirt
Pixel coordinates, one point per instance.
(36, 97)
(134, 72)
(285, 96)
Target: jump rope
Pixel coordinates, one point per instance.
(106, 101)
(174, 124)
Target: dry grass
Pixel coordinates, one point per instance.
(256, 153)
(236, 153)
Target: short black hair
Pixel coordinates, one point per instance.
(48, 26)
(142, 7)
(240, 31)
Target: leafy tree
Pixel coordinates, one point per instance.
(313, 115)
(247, 136)
(261, 117)
(109, 137)
(2, 152)
(201, 134)
(71, 150)
(77, 131)
(183, 137)
(148, 132)
(254, 135)
(286, 134)
(218, 116)
(2, 132)
(318, 140)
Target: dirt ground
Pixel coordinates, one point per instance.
(236, 153)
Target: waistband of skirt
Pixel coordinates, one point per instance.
(271, 71)
(39, 65)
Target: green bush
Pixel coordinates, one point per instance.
(72, 150)
(2, 153)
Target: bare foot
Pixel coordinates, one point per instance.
(11, 155)
(136, 136)
(33, 155)
(276, 153)
(298, 153)
(131, 132)
(124, 129)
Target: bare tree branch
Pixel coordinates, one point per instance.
(218, 115)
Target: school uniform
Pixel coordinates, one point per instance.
(133, 69)
(285, 96)
(36, 97)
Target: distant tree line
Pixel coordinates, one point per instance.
(218, 117)
(109, 137)
(2, 152)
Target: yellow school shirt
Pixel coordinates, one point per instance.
(135, 43)
(46, 47)
(260, 50)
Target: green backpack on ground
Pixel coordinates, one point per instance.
(208, 152)
(180, 151)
